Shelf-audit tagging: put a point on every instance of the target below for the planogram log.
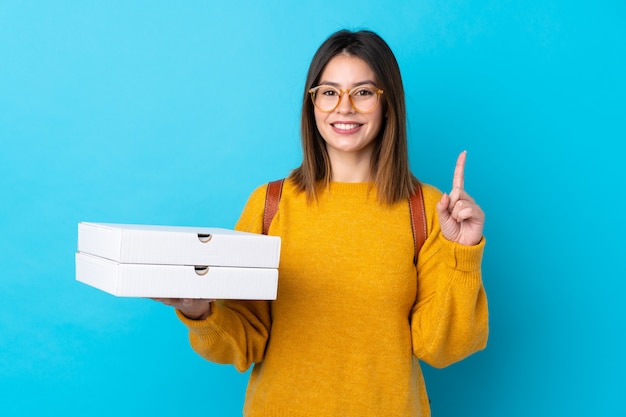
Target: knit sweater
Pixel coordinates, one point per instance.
(352, 318)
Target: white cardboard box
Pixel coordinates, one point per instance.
(173, 245)
(176, 281)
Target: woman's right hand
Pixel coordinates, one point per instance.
(192, 308)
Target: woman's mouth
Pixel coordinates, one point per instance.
(346, 127)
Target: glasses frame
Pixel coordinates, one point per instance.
(313, 91)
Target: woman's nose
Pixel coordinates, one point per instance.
(345, 104)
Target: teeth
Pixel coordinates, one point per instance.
(346, 126)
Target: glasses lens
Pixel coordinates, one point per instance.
(364, 99)
(326, 98)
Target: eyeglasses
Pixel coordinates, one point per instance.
(363, 99)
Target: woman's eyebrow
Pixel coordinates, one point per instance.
(334, 84)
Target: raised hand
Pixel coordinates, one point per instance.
(461, 219)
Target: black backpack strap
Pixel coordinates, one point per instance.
(272, 198)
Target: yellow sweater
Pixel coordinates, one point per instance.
(351, 319)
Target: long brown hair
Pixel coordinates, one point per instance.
(390, 161)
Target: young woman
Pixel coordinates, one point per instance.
(354, 314)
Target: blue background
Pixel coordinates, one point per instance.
(173, 112)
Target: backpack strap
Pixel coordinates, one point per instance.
(272, 198)
(418, 220)
(416, 207)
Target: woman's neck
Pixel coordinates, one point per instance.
(350, 167)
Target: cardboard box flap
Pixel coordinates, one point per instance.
(178, 245)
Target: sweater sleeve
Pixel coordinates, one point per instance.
(237, 331)
(449, 320)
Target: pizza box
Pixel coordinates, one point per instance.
(176, 281)
(178, 245)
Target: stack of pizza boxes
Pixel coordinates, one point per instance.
(177, 262)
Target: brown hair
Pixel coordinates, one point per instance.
(390, 162)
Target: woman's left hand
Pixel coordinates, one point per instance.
(461, 219)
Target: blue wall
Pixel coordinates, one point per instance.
(172, 112)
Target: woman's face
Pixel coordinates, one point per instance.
(346, 131)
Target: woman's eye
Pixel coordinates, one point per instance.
(329, 92)
(363, 92)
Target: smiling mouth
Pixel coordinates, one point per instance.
(346, 126)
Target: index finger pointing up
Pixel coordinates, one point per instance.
(458, 181)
